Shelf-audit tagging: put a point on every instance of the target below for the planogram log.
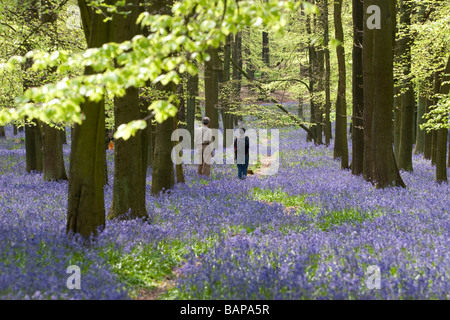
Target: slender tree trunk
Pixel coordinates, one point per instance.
(407, 98)
(448, 161)
(237, 76)
(2, 132)
(129, 181)
(15, 131)
(163, 178)
(420, 137)
(320, 74)
(212, 69)
(428, 135)
(340, 143)
(311, 68)
(226, 93)
(397, 122)
(53, 158)
(249, 64)
(369, 93)
(265, 49)
(434, 133)
(385, 171)
(163, 175)
(86, 206)
(54, 169)
(33, 147)
(358, 90)
(192, 93)
(441, 152)
(327, 120)
(176, 125)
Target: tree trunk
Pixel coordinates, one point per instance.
(397, 122)
(358, 90)
(420, 137)
(15, 131)
(33, 147)
(192, 93)
(340, 143)
(212, 69)
(369, 92)
(226, 93)
(265, 49)
(428, 135)
(441, 152)
(327, 120)
(86, 206)
(2, 132)
(52, 149)
(237, 76)
(53, 157)
(176, 125)
(249, 64)
(385, 171)
(311, 68)
(407, 98)
(162, 171)
(434, 133)
(129, 181)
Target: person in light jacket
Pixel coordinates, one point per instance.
(202, 140)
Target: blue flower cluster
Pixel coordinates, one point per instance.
(254, 249)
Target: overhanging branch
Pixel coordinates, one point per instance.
(279, 105)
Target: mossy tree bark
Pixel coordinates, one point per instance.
(385, 171)
(212, 69)
(441, 152)
(327, 121)
(52, 140)
(128, 200)
(404, 160)
(237, 76)
(369, 91)
(191, 102)
(163, 178)
(86, 206)
(340, 143)
(358, 90)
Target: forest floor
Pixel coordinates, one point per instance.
(309, 231)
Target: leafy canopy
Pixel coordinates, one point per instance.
(175, 42)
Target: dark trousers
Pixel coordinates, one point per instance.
(242, 168)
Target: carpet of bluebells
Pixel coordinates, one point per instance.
(309, 232)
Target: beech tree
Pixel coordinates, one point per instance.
(378, 45)
(340, 144)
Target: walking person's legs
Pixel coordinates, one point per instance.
(245, 166)
(206, 161)
(240, 170)
(200, 161)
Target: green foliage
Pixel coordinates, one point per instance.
(173, 44)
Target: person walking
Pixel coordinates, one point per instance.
(202, 140)
(241, 153)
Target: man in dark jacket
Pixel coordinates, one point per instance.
(241, 153)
